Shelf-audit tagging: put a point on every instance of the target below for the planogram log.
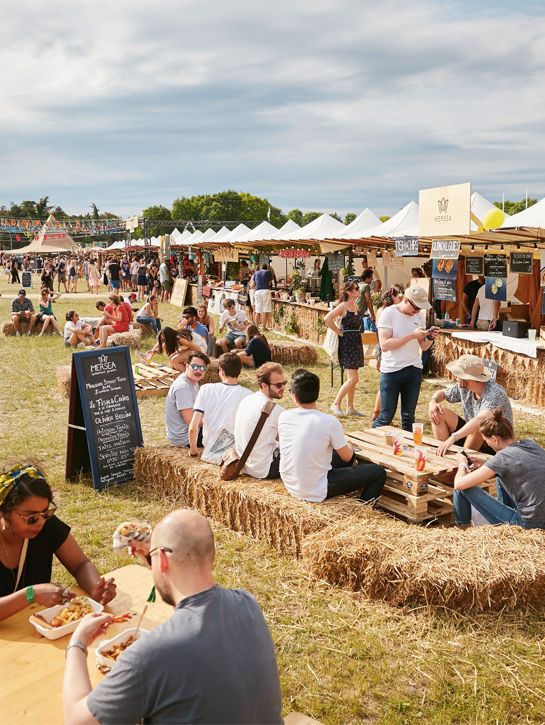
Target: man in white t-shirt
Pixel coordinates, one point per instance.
(236, 323)
(215, 408)
(264, 460)
(315, 457)
(181, 399)
(485, 312)
(402, 338)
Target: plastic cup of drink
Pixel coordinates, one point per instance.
(397, 445)
(418, 433)
(419, 459)
(532, 335)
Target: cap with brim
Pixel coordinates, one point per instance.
(470, 367)
(22, 292)
(418, 296)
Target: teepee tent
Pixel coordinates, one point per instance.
(51, 239)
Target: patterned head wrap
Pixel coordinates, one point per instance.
(9, 479)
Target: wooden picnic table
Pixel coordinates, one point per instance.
(417, 496)
(33, 666)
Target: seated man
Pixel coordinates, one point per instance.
(478, 393)
(212, 661)
(315, 457)
(264, 459)
(181, 399)
(22, 310)
(215, 408)
(190, 319)
(236, 323)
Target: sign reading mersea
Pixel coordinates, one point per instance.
(103, 397)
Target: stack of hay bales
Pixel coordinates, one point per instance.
(7, 328)
(293, 353)
(131, 338)
(146, 330)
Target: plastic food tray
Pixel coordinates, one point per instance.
(102, 660)
(58, 632)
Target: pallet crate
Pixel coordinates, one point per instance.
(153, 379)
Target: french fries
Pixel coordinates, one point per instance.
(76, 609)
(117, 649)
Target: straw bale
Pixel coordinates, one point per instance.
(7, 328)
(64, 375)
(146, 330)
(483, 568)
(131, 338)
(293, 353)
(261, 509)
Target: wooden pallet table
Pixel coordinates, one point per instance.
(416, 496)
(153, 379)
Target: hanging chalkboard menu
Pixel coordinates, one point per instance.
(406, 247)
(474, 265)
(521, 262)
(495, 265)
(444, 289)
(103, 423)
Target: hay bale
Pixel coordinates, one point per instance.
(261, 509)
(212, 374)
(7, 329)
(146, 330)
(132, 338)
(64, 374)
(480, 569)
(293, 353)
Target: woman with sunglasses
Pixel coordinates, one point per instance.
(350, 345)
(30, 535)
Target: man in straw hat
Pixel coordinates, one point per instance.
(212, 661)
(478, 393)
(403, 337)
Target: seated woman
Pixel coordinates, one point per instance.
(30, 534)
(120, 319)
(45, 314)
(257, 351)
(208, 321)
(518, 466)
(177, 344)
(76, 331)
(148, 314)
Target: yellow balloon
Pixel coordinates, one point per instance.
(493, 219)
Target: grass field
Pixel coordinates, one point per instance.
(342, 658)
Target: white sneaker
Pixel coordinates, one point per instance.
(28, 334)
(354, 412)
(17, 334)
(337, 410)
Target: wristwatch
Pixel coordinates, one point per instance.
(29, 594)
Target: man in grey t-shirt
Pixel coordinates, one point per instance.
(213, 661)
(181, 398)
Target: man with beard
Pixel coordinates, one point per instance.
(213, 661)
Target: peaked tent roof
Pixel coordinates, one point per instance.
(288, 228)
(361, 225)
(220, 234)
(235, 233)
(534, 216)
(265, 230)
(403, 224)
(50, 240)
(324, 227)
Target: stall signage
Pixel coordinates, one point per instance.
(444, 269)
(26, 278)
(474, 265)
(444, 210)
(335, 262)
(103, 422)
(444, 289)
(226, 254)
(495, 265)
(407, 247)
(521, 262)
(294, 253)
(445, 249)
(492, 366)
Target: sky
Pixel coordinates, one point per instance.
(329, 105)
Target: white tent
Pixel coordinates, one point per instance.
(286, 229)
(324, 227)
(235, 233)
(480, 207)
(361, 225)
(265, 230)
(220, 234)
(534, 216)
(178, 237)
(402, 224)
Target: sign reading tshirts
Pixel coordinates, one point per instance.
(406, 247)
(26, 279)
(103, 421)
(444, 289)
(495, 265)
(521, 262)
(474, 265)
(445, 249)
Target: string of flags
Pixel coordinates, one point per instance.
(85, 227)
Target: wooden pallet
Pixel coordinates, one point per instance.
(153, 379)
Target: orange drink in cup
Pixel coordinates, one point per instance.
(418, 433)
(419, 459)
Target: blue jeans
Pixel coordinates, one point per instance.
(368, 324)
(153, 321)
(499, 510)
(405, 383)
(344, 478)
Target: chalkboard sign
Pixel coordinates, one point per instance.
(335, 262)
(444, 289)
(495, 265)
(26, 278)
(407, 247)
(474, 265)
(521, 262)
(103, 423)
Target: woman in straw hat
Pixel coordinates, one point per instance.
(478, 394)
(518, 466)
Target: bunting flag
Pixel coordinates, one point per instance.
(85, 227)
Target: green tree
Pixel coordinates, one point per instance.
(513, 207)
(310, 216)
(384, 218)
(334, 215)
(157, 214)
(349, 218)
(43, 207)
(296, 215)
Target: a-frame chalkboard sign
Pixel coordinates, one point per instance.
(103, 421)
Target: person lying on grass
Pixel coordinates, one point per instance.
(30, 534)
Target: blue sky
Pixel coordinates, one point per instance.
(331, 104)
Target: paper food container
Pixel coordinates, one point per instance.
(49, 614)
(102, 659)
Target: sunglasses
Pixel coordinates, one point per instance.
(202, 368)
(31, 519)
(415, 307)
(157, 548)
(278, 385)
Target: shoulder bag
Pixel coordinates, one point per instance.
(232, 464)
